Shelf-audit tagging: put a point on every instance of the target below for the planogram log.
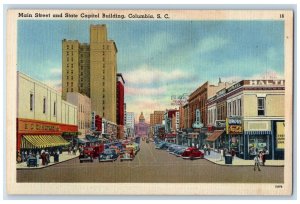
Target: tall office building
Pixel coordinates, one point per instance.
(103, 71)
(91, 69)
(75, 68)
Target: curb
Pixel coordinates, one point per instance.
(241, 164)
(42, 167)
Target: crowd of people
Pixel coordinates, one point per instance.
(33, 157)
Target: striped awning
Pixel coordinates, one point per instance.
(42, 141)
(258, 132)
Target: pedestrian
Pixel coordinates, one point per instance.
(232, 153)
(222, 154)
(208, 149)
(205, 149)
(47, 157)
(37, 158)
(43, 156)
(19, 157)
(256, 162)
(263, 157)
(69, 150)
(23, 156)
(26, 156)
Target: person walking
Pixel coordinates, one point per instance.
(232, 153)
(256, 162)
(37, 159)
(263, 159)
(47, 157)
(208, 149)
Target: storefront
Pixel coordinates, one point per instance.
(35, 134)
(263, 136)
(234, 139)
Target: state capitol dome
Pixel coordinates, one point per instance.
(141, 118)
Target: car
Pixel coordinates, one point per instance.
(162, 146)
(128, 154)
(192, 153)
(172, 147)
(85, 157)
(93, 151)
(108, 155)
(179, 151)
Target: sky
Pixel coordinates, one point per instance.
(159, 59)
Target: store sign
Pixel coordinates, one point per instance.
(280, 135)
(220, 123)
(266, 82)
(93, 125)
(32, 126)
(234, 126)
(235, 129)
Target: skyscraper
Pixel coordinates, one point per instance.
(91, 69)
(103, 70)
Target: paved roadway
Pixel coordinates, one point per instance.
(151, 166)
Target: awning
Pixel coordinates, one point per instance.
(215, 135)
(266, 132)
(42, 141)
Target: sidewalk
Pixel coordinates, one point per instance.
(216, 158)
(62, 157)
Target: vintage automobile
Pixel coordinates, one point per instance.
(178, 152)
(32, 162)
(192, 153)
(89, 153)
(128, 154)
(174, 148)
(85, 157)
(135, 147)
(108, 155)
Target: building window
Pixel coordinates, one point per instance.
(54, 108)
(31, 102)
(261, 106)
(44, 105)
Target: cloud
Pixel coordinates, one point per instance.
(55, 84)
(211, 44)
(144, 91)
(147, 75)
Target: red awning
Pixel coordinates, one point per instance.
(215, 135)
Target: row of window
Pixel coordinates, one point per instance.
(82, 124)
(31, 106)
(234, 108)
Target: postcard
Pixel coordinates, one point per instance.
(149, 102)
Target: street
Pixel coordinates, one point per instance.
(151, 166)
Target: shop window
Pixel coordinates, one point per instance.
(258, 143)
(260, 106)
(31, 101)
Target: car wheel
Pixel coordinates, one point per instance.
(80, 161)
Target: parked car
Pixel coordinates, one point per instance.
(179, 152)
(172, 147)
(192, 153)
(163, 146)
(128, 154)
(108, 155)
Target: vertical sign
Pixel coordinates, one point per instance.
(93, 121)
(280, 135)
